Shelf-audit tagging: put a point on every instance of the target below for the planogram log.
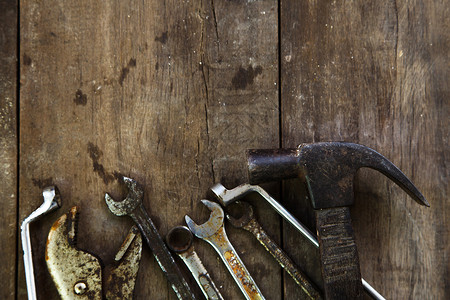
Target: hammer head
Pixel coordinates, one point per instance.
(328, 169)
(133, 199)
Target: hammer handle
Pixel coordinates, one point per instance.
(339, 256)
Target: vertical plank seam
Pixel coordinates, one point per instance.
(280, 137)
(17, 240)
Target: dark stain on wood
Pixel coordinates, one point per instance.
(80, 98)
(245, 77)
(42, 183)
(95, 154)
(359, 71)
(163, 38)
(26, 60)
(126, 70)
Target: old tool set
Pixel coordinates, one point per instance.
(327, 169)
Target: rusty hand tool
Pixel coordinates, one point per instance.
(226, 197)
(329, 169)
(213, 232)
(52, 201)
(133, 207)
(78, 274)
(248, 222)
(179, 240)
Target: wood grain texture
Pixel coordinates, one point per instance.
(240, 67)
(376, 73)
(172, 93)
(169, 93)
(8, 147)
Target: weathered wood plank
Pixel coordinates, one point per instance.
(170, 93)
(8, 147)
(375, 73)
(241, 81)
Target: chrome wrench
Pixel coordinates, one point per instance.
(179, 240)
(226, 197)
(213, 232)
(52, 201)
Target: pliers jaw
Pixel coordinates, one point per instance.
(78, 274)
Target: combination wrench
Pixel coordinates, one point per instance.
(179, 240)
(133, 207)
(248, 222)
(213, 232)
(226, 197)
(52, 201)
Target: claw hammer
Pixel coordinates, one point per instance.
(328, 170)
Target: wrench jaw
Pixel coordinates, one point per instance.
(78, 274)
(211, 226)
(227, 197)
(179, 239)
(75, 273)
(52, 201)
(247, 214)
(213, 232)
(122, 277)
(129, 204)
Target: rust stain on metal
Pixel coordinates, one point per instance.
(240, 272)
(78, 274)
(248, 222)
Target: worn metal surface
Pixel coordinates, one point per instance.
(52, 201)
(329, 169)
(122, 275)
(179, 240)
(213, 232)
(69, 266)
(132, 206)
(227, 197)
(339, 255)
(248, 221)
(78, 274)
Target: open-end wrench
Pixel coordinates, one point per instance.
(179, 240)
(52, 201)
(213, 232)
(226, 197)
(248, 222)
(133, 207)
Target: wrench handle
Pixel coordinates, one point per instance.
(283, 259)
(161, 253)
(235, 266)
(201, 276)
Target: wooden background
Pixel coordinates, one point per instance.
(172, 93)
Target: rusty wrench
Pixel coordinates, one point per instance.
(179, 240)
(226, 197)
(133, 207)
(52, 201)
(213, 232)
(248, 222)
